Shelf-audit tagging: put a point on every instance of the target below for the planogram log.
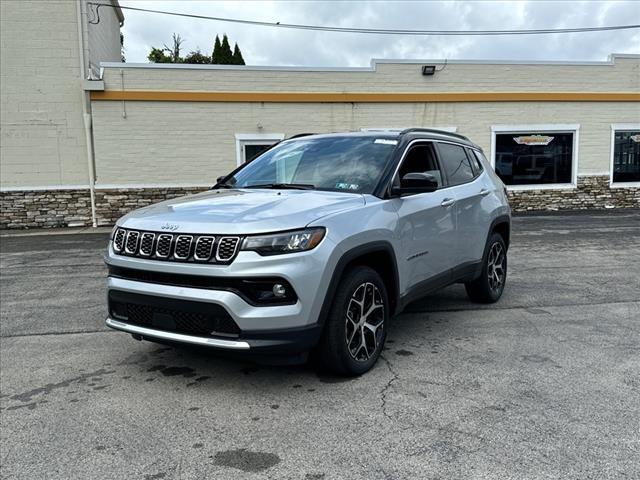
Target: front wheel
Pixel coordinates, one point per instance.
(488, 287)
(355, 329)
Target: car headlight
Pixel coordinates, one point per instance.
(285, 242)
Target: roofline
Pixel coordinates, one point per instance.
(373, 66)
(120, 15)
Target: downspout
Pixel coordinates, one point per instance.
(86, 116)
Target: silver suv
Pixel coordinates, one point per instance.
(313, 246)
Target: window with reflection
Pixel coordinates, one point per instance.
(626, 156)
(534, 158)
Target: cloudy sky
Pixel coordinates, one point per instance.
(278, 46)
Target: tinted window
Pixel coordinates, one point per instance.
(349, 163)
(626, 157)
(455, 163)
(475, 161)
(420, 159)
(534, 158)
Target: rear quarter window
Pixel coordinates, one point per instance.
(455, 163)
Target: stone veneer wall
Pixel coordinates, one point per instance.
(593, 192)
(45, 208)
(68, 208)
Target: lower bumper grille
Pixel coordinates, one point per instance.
(180, 316)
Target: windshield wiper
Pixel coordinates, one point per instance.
(284, 186)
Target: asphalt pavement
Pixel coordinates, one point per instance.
(543, 384)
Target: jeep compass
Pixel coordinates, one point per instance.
(313, 246)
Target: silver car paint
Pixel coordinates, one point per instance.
(426, 236)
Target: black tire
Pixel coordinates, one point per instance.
(488, 287)
(334, 349)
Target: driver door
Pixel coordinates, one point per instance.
(427, 222)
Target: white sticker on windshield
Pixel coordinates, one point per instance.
(385, 141)
(347, 186)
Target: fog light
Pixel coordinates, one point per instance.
(279, 290)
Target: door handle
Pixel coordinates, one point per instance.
(447, 202)
(484, 192)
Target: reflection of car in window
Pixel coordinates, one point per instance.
(313, 246)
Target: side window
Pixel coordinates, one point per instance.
(421, 159)
(476, 163)
(455, 164)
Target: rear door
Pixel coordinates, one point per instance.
(464, 178)
(426, 227)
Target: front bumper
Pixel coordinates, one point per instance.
(282, 342)
(269, 329)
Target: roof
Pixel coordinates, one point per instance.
(611, 60)
(414, 133)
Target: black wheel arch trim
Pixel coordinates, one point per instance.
(500, 219)
(348, 257)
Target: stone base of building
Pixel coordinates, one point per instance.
(592, 193)
(72, 208)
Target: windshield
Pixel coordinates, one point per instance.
(352, 164)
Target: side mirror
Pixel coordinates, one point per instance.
(220, 179)
(416, 182)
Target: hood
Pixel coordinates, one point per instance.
(242, 211)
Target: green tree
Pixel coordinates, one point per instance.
(227, 55)
(196, 57)
(157, 55)
(216, 56)
(166, 54)
(237, 56)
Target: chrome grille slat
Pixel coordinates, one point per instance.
(227, 247)
(204, 248)
(131, 244)
(118, 239)
(177, 247)
(146, 244)
(163, 245)
(182, 250)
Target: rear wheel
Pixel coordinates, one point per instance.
(488, 287)
(355, 328)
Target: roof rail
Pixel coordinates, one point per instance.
(297, 135)
(433, 130)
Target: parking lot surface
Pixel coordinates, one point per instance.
(543, 384)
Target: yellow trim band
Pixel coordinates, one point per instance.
(365, 97)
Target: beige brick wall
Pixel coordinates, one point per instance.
(193, 143)
(43, 140)
(42, 136)
(103, 38)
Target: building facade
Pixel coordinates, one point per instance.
(49, 50)
(561, 135)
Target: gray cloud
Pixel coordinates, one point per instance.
(273, 46)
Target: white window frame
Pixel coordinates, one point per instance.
(541, 128)
(620, 127)
(253, 139)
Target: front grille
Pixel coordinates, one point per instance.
(204, 248)
(180, 316)
(183, 247)
(227, 248)
(177, 247)
(146, 244)
(118, 240)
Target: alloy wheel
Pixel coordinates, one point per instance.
(496, 266)
(364, 321)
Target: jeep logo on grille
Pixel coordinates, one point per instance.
(170, 226)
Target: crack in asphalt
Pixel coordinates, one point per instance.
(385, 389)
